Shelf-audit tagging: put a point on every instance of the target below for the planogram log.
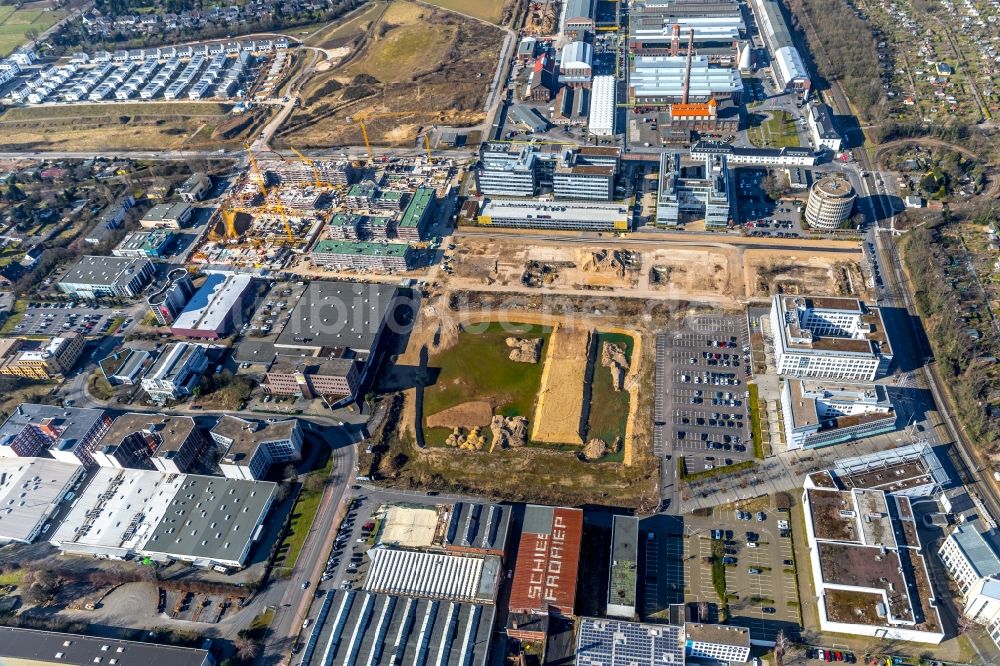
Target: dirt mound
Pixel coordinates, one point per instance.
(613, 358)
(509, 432)
(464, 415)
(236, 125)
(474, 440)
(604, 261)
(525, 350)
(595, 449)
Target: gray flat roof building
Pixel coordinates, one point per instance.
(624, 565)
(339, 315)
(95, 276)
(36, 647)
(613, 643)
(212, 520)
(478, 527)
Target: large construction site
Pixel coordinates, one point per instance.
(733, 272)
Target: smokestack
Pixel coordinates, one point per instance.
(675, 43)
(687, 69)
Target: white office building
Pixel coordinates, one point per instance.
(717, 642)
(176, 373)
(823, 413)
(972, 562)
(829, 338)
(821, 127)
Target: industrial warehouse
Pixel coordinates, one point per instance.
(207, 521)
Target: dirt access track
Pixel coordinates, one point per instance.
(726, 271)
(414, 67)
(559, 410)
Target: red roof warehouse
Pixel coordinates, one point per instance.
(548, 559)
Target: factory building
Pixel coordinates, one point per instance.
(602, 106)
(34, 647)
(359, 627)
(786, 62)
(576, 65)
(99, 277)
(176, 372)
(571, 216)
(577, 18)
(215, 307)
(693, 188)
(820, 414)
(31, 490)
(170, 444)
(662, 80)
(52, 358)
(548, 558)
(831, 200)
(68, 434)
(829, 338)
(168, 302)
(250, 448)
(824, 134)
(205, 520)
(427, 575)
(660, 28)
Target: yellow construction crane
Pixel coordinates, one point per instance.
(255, 170)
(276, 205)
(427, 145)
(312, 165)
(229, 221)
(362, 118)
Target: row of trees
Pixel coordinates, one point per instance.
(846, 52)
(960, 358)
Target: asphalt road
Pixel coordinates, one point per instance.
(285, 595)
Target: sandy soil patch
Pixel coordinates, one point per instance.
(770, 272)
(689, 271)
(466, 415)
(559, 409)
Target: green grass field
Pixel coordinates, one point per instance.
(303, 514)
(193, 109)
(16, 23)
(477, 367)
(488, 10)
(608, 408)
(778, 131)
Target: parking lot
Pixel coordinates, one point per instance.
(701, 396)
(58, 318)
(758, 214)
(759, 564)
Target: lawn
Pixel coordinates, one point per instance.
(487, 10)
(303, 515)
(778, 131)
(15, 24)
(477, 367)
(608, 408)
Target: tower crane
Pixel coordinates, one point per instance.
(363, 117)
(312, 165)
(276, 205)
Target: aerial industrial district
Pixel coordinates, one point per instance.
(627, 357)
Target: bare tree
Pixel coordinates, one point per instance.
(781, 644)
(703, 611)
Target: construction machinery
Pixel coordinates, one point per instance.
(271, 204)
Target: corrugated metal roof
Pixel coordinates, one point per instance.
(548, 560)
(432, 575)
